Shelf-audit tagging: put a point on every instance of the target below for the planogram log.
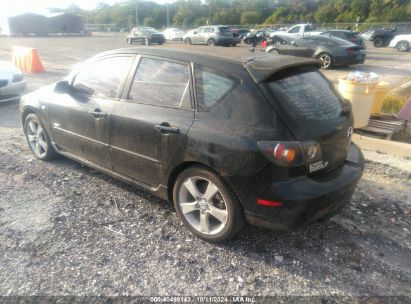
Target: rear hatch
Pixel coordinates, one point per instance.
(225, 31)
(312, 110)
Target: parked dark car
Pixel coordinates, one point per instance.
(330, 51)
(381, 37)
(145, 35)
(255, 37)
(353, 37)
(264, 140)
(211, 35)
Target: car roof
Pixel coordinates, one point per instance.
(259, 66)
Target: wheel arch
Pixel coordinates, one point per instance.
(176, 171)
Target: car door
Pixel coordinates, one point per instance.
(297, 48)
(80, 119)
(196, 37)
(151, 120)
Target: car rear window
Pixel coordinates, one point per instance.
(306, 94)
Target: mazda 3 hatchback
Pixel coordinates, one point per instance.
(265, 140)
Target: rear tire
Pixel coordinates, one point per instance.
(37, 138)
(211, 42)
(402, 46)
(206, 205)
(378, 42)
(326, 60)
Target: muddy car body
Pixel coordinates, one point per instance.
(224, 139)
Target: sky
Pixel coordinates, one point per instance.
(14, 7)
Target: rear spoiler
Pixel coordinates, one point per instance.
(263, 67)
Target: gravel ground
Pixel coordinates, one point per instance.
(66, 229)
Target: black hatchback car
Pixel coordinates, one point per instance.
(265, 140)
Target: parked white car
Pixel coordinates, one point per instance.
(12, 83)
(298, 30)
(401, 42)
(173, 34)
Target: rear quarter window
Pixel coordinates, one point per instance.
(212, 86)
(306, 94)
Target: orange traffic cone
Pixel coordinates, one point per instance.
(27, 59)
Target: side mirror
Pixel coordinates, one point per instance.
(62, 87)
(294, 43)
(347, 107)
(195, 33)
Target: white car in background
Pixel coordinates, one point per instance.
(12, 83)
(173, 34)
(401, 42)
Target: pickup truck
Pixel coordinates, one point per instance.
(298, 30)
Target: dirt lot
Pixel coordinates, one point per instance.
(68, 230)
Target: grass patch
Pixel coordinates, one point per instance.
(393, 103)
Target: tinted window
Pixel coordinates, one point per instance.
(307, 94)
(212, 86)
(162, 83)
(103, 78)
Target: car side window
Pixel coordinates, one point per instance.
(161, 83)
(103, 78)
(200, 30)
(295, 29)
(212, 86)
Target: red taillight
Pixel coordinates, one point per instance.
(351, 50)
(268, 203)
(291, 153)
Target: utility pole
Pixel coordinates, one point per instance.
(168, 24)
(136, 14)
(209, 13)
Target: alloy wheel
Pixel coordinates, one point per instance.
(325, 61)
(36, 138)
(203, 205)
(402, 46)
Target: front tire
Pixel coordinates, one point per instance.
(187, 41)
(403, 46)
(38, 139)
(274, 51)
(326, 60)
(206, 205)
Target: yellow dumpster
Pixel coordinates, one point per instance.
(361, 95)
(383, 88)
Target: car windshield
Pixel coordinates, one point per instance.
(306, 94)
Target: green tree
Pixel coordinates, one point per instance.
(326, 13)
(251, 17)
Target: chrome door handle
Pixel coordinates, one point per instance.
(98, 114)
(166, 129)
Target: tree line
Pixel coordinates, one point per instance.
(194, 13)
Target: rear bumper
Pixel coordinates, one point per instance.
(357, 58)
(12, 91)
(306, 199)
(224, 40)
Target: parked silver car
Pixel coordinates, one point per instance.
(12, 82)
(211, 35)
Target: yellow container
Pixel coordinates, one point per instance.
(383, 88)
(361, 95)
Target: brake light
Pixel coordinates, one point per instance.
(291, 153)
(268, 203)
(351, 50)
